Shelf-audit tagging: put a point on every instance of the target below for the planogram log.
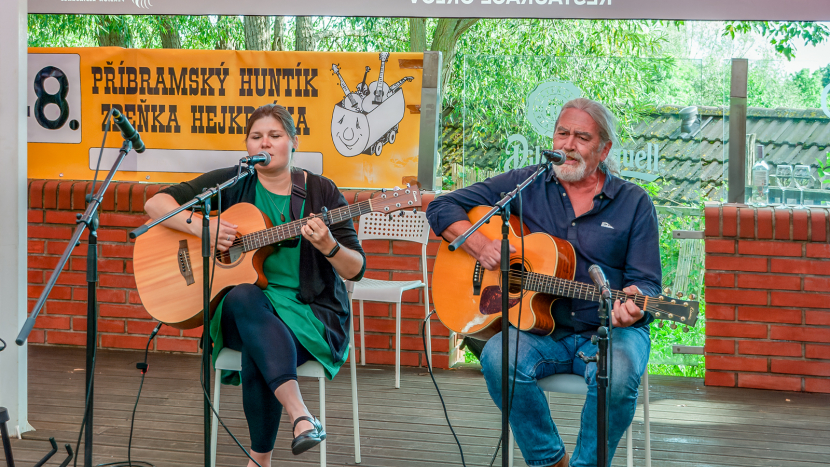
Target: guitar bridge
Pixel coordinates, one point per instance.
(185, 267)
(477, 273)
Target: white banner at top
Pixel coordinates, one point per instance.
(782, 10)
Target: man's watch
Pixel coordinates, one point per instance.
(334, 250)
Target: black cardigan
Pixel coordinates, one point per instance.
(320, 286)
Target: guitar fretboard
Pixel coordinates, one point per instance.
(556, 286)
(259, 239)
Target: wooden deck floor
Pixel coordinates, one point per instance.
(691, 425)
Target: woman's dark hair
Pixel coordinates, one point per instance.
(276, 111)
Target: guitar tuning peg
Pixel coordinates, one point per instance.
(383, 190)
(401, 214)
(667, 291)
(679, 294)
(660, 324)
(692, 296)
(685, 328)
(673, 326)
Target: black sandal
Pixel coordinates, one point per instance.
(309, 438)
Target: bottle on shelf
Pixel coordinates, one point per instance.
(760, 179)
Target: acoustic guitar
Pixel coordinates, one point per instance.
(468, 297)
(168, 263)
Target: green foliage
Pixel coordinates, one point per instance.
(824, 169)
(783, 35)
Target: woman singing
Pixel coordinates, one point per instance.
(303, 313)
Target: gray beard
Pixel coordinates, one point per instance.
(571, 174)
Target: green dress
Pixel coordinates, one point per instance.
(282, 270)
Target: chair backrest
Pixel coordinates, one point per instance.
(411, 226)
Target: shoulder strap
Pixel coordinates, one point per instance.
(298, 192)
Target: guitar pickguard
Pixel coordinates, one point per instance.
(490, 303)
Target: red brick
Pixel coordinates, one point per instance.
(730, 221)
(712, 279)
(417, 344)
(108, 203)
(146, 327)
(817, 351)
(801, 225)
(36, 337)
(718, 362)
(34, 216)
(817, 385)
(388, 326)
(52, 322)
(376, 246)
(747, 222)
(50, 195)
(134, 298)
(750, 247)
(123, 311)
(36, 194)
(779, 349)
(137, 198)
(104, 265)
(778, 383)
(773, 282)
(737, 297)
(117, 341)
(65, 195)
(816, 284)
(117, 281)
(726, 346)
(117, 251)
(57, 292)
(398, 263)
(387, 357)
(43, 231)
(799, 299)
(414, 248)
(798, 333)
(800, 266)
(764, 220)
(799, 367)
(43, 262)
(129, 267)
(104, 325)
(733, 263)
(79, 191)
(818, 250)
(377, 341)
(109, 219)
(122, 196)
(782, 224)
(103, 295)
(818, 225)
(36, 246)
(411, 276)
(720, 312)
(57, 248)
(438, 329)
(68, 338)
(717, 378)
(769, 315)
(60, 217)
(72, 278)
(112, 235)
(712, 216)
(177, 345)
(753, 331)
(66, 308)
(713, 245)
(34, 277)
(153, 189)
(193, 332)
(817, 318)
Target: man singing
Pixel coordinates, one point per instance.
(610, 222)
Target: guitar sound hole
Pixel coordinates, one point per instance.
(516, 272)
(230, 256)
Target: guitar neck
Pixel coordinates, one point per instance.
(572, 289)
(259, 239)
(346, 90)
(379, 87)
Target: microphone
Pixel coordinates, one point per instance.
(127, 130)
(599, 280)
(262, 158)
(555, 156)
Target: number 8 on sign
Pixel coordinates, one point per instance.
(54, 98)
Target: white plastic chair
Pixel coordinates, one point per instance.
(229, 359)
(575, 384)
(401, 225)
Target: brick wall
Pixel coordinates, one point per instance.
(768, 298)
(123, 322)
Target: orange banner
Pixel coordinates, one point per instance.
(357, 114)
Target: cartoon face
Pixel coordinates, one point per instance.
(349, 131)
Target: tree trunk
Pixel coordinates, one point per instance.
(278, 42)
(417, 34)
(224, 33)
(112, 32)
(168, 33)
(257, 33)
(447, 33)
(304, 34)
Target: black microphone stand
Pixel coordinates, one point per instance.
(202, 203)
(89, 219)
(603, 342)
(503, 207)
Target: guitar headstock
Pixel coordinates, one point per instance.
(335, 68)
(396, 199)
(384, 56)
(678, 309)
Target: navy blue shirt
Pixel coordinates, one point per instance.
(619, 234)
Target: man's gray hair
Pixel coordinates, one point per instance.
(605, 120)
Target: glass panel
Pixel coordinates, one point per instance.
(788, 125)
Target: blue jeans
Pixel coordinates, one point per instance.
(541, 356)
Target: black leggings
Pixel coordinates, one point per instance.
(271, 354)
